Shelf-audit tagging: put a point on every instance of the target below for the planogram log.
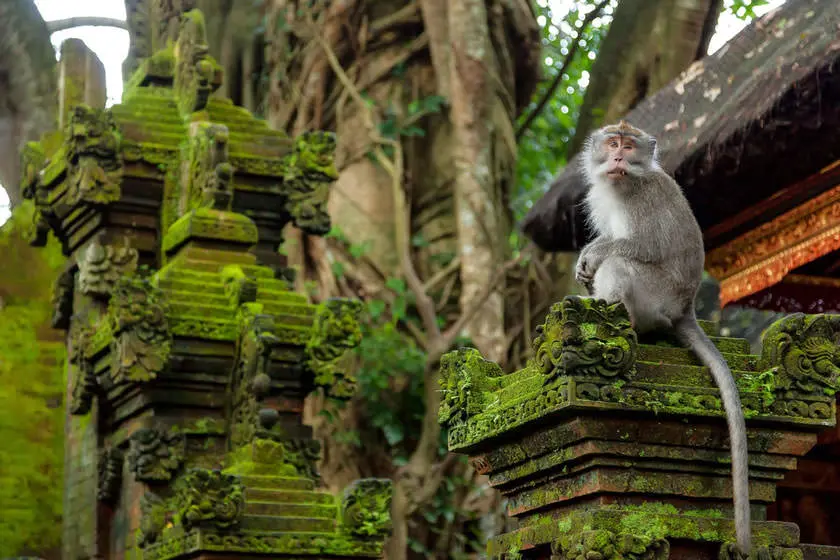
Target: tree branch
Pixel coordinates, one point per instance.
(549, 93)
(84, 21)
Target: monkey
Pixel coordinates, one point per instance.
(648, 254)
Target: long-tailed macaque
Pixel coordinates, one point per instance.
(649, 255)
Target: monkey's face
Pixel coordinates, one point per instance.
(620, 152)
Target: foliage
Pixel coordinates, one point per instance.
(542, 149)
(31, 383)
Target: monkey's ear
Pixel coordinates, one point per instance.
(652, 142)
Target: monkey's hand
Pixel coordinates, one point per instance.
(584, 271)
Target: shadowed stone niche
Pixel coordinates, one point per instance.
(608, 446)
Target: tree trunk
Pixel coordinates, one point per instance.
(648, 44)
(422, 96)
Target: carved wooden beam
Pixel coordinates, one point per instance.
(763, 256)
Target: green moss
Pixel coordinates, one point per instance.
(260, 457)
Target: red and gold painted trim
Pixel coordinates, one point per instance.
(760, 258)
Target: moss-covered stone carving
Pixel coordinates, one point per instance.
(335, 331)
(309, 174)
(102, 266)
(601, 544)
(466, 381)
(110, 475)
(197, 74)
(142, 341)
(94, 162)
(304, 455)
(155, 514)
(803, 352)
(582, 336)
(62, 298)
(83, 382)
(155, 454)
(211, 174)
(365, 509)
(209, 499)
(207, 361)
(599, 419)
(251, 383)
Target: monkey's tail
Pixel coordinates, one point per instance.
(690, 334)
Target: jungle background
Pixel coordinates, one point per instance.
(452, 117)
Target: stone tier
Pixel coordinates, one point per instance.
(603, 437)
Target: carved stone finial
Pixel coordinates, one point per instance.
(155, 454)
(309, 173)
(142, 340)
(463, 380)
(101, 266)
(94, 163)
(366, 508)
(803, 351)
(197, 75)
(335, 331)
(210, 499)
(583, 336)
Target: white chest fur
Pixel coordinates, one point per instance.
(606, 212)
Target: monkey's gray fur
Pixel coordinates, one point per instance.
(649, 254)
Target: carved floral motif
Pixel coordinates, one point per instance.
(209, 498)
(155, 454)
(762, 257)
(606, 545)
(335, 331)
(588, 337)
(366, 506)
(803, 352)
(142, 340)
(101, 266)
(94, 164)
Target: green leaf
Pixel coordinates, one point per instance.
(338, 269)
(393, 433)
(396, 284)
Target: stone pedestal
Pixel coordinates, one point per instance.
(605, 445)
(190, 355)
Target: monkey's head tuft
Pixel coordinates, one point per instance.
(617, 153)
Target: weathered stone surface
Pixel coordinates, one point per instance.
(191, 356)
(600, 422)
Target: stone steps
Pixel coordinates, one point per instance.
(679, 374)
(287, 524)
(264, 482)
(281, 509)
(289, 496)
(685, 356)
(725, 344)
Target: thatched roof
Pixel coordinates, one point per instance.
(736, 126)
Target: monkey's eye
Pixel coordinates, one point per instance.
(613, 144)
(628, 146)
